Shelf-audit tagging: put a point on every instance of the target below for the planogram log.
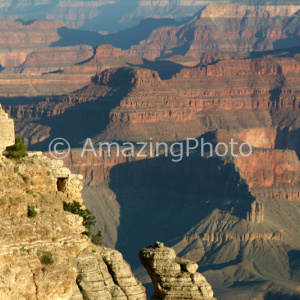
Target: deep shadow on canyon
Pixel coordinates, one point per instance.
(166, 199)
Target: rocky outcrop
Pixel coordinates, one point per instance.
(257, 212)
(7, 131)
(44, 254)
(173, 277)
(105, 275)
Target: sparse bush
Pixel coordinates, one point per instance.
(30, 192)
(32, 213)
(47, 258)
(18, 150)
(82, 291)
(97, 239)
(84, 294)
(26, 179)
(88, 218)
(23, 250)
(16, 169)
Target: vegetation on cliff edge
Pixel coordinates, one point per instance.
(18, 150)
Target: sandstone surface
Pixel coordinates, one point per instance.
(35, 182)
(7, 131)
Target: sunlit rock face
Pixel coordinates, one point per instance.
(7, 132)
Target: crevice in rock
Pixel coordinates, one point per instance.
(112, 274)
(34, 281)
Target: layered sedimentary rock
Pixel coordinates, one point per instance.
(279, 177)
(7, 131)
(226, 27)
(73, 13)
(17, 39)
(104, 57)
(90, 13)
(54, 59)
(173, 278)
(59, 70)
(253, 97)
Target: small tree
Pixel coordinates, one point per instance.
(18, 150)
(97, 239)
(88, 218)
(47, 258)
(31, 213)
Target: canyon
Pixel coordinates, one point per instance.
(216, 75)
(258, 96)
(46, 253)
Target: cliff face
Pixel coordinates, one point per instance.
(52, 59)
(100, 272)
(280, 175)
(92, 14)
(226, 27)
(17, 40)
(44, 253)
(57, 70)
(7, 132)
(254, 96)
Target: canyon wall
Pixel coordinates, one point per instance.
(17, 39)
(246, 97)
(222, 26)
(279, 176)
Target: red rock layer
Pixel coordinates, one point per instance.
(235, 96)
(18, 40)
(227, 85)
(272, 173)
(223, 26)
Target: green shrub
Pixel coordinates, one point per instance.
(84, 294)
(47, 258)
(88, 218)
(16, 169)
(97, 239)
(30, 192)
(32, 213)
(26, 179)
(18, 150)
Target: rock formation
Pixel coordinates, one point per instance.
(17, 40)
(90, 14)
(44, 254)
(190, 104)
(224, 26)
(7, 131)
(48, 60)
(173, 277)
(257, 212)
